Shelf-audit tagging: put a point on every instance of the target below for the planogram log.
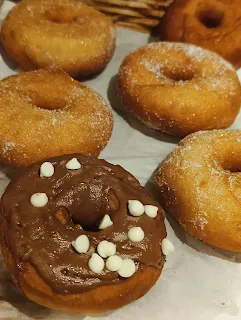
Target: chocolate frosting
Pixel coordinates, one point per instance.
(78, 199)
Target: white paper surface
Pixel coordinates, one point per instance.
(198, 282)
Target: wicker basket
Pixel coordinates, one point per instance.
(141, 15)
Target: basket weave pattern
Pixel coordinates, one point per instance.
(142, 15)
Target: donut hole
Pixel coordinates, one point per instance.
(232, 168)
(48, 106)
(90, 215)
(210, 18)
(228, 161)
(61, 16)
(89, 224)
(88, 227)
(48, 103)
(179, 74)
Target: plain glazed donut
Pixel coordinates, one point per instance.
(37, 238)
(46, 113)
(200, 186)
(179, 89)
(63, 33)
(214, 25)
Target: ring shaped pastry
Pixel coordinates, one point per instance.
(66, 33)
(179, 89)
(200, 186)
(214, 25)
(37, 238)
(46, 113)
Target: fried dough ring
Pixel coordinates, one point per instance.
(179, 89)
(36, 242)
(102, 299)
(46, 113)
(214, 25)
(200, 187)
(67, 34)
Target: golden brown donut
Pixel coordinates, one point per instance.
(179, 89)
(46, 113)
(64, 33)
(37, 243)
(214, 25)
(200, 186)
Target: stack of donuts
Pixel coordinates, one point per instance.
(79, 234)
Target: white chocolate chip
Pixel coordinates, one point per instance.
(136, 234)
(96, 263)
(135, 208)
(167, 247)
(73, 164)
(81, 244)
(127, 269)
(151, 211)
(105, 222)
(106, 249)
(114, 263)
(46, 170)
(39, 200)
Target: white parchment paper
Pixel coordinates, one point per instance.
(198, 282)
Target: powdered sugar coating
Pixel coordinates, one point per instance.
(179, 88)
(200, 186)
(50, 114)
(161, 58)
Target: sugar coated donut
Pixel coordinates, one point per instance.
(81, 235)
(64, 33)
(179, 89)
(214, 25)
(200, 186)
(46, 113)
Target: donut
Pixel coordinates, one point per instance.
(200, 187)
(179, 89)
(45, 113)
(81, 235)
(214, 25)
(63, 33)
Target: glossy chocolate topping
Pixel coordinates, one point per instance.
(78, 199)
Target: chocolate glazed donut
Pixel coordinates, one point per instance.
(49, 206)
(212, 24)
